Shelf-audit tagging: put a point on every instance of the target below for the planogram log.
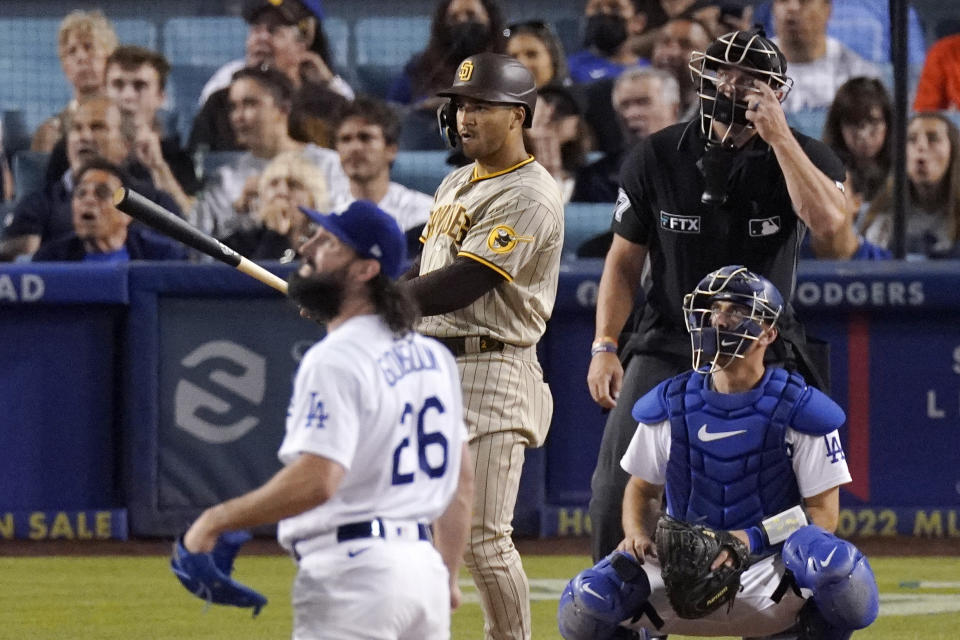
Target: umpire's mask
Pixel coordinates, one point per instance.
(724, 74)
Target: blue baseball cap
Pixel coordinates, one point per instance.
(293, 11)
(368, 230)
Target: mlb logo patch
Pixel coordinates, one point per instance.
(760, 227)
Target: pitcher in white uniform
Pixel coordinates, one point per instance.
(374, 498)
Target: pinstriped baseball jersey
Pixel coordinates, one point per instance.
(511, 221)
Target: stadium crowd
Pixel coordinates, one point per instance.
(339, 131)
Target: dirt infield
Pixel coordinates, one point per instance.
(874, 546)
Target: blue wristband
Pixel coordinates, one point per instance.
(758, 544)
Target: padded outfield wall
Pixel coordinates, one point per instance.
(131, 397)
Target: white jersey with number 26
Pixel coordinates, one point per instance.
(390, 411)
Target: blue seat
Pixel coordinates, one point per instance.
(808, 122)
(29, 171)
(420, 170)
(582, 221)
(31, 38)
(183, 90)
(390, 41)
(376, 79)
(338, 38)
(568, 31)
(211, 41)
(136, 31)
(35, 87)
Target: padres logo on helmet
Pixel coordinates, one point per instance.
(466, 71)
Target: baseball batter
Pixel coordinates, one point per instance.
(373, 449)
(486, 282)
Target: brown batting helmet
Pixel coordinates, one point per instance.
(494, 77)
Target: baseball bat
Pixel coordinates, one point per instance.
(168, 223)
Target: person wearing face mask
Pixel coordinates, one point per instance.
(933, 192)
(459, 28)
(608, 50)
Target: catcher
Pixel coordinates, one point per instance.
(748, 461)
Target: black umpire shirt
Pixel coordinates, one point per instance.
(659, 206)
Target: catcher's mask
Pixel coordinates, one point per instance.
(724, 74)
(726, 313)
(491, 77)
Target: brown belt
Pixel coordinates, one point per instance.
(462, 345)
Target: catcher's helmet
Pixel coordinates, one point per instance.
(747, 51)
(492, 77)
(729, 332)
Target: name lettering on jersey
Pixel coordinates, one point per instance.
(623, 203)
(503, 239)
(834, 450)
(316, 412)
(679, 224)
(405, 357)
(450, 220)
(760, 227)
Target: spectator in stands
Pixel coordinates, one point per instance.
(460, 28)
(284, 34)
(857, 129)
(366, 139)
(932, 226)
(136, 79)
(539, 49)
(84, 41)
(288, 182)
(864, 26)
(100, 231)
(611, 25)
(656, 13)
(260, 100)
(818, 63)
(559, 137)
(645, 100)
(939, 85)
(97, 129)
(722, 17)
(672, 46)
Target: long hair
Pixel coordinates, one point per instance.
(854, 103)
(949, 184)
(433, 69)
(395, 306)
(545, 34)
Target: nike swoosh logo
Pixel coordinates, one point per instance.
(728, 343)
(354, 553)
(829, 558)
(586, 587)
(707, 436)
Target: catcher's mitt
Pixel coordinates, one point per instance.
(207, 575)
(686, 552)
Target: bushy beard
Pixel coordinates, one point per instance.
(320, 296)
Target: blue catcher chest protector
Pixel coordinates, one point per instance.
(729, 464)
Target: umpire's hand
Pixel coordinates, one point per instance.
(604, 379)
(766, 113)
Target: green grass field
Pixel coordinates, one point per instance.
(109, 598)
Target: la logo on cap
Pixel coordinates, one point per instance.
(466, 70)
